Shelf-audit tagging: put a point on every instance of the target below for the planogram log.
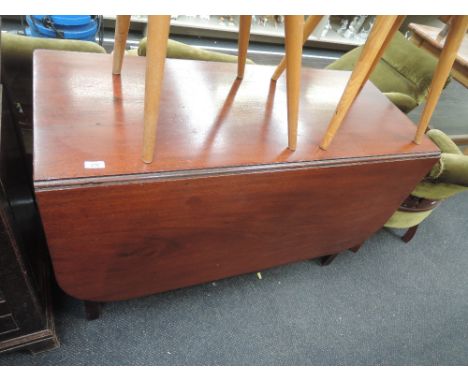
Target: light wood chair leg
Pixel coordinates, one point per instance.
(396, 26)
(122, 23)
(158, 33)
(244, 34)
(370, 53)
(446, 59)
(309, 26)
(294, 27)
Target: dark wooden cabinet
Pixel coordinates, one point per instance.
(26, 319)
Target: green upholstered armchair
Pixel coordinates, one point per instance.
(177, 49)
(448, 177)
(404, 73)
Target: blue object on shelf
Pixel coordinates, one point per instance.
(63, 26)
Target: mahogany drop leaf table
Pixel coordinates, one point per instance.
(223, 196)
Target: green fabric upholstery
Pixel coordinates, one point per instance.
(411, 62)
(437, 191)
(452, 169)
(404, 102)
(18, 50)
(443, 141)
(401, 219)
(177, 49)
(403, 74)
(448, 177)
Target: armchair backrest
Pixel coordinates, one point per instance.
(17, 51)
(412, 62)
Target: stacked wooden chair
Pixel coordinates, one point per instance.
(296, 33)
(157, 36)
(380, 36)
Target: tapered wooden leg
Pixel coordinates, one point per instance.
(92, 310)
(444, 66)
(326, 260)
(294, 27)
(122, 23)
(309, 26)
(158, 33)
(244, 34)
(409, 234)
(370, 52)
(396, 26)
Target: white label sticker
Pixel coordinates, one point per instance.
(94, 164)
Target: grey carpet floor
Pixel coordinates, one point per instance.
(451, 113)
(389, 304)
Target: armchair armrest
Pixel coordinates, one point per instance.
(452, 169)
(403, 101)
(176, 49)
(17, 51)
(443, 141)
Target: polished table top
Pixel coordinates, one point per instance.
(208, 119)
